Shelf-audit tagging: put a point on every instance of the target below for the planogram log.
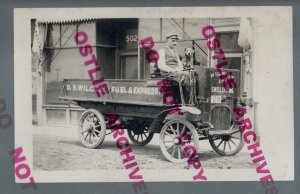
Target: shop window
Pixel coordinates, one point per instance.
(235, 63)
(229, 42)
(233, 53)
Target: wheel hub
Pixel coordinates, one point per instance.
(89, 128)
(226, 137)
(176, 141)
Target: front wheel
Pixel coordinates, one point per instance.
(175, 135)
(227, 144)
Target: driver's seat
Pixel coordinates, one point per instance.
(155, 71)
(155, 75)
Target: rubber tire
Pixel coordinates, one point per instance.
(135, 142)
(102, 132)
(220, 152)
(194, 134)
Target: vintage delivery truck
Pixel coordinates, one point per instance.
(205, 112)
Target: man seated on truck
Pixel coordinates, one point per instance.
(170, 65)
(169, 62)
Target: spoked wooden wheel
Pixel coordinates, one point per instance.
(91, 129)
(139, 134)
(175, 135)
(227, 144)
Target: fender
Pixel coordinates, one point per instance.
(158, 122)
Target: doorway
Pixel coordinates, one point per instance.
(117, 45)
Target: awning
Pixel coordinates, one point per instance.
(67, 20)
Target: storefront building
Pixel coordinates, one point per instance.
(116, 45)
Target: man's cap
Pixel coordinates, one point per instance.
(172, 36)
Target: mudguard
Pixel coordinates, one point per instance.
(168, 114)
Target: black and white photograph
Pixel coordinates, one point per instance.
(155, 94)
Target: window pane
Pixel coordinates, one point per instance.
(229, 41)
(233, 63)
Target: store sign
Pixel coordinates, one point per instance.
(214, 87)
(135, 90)
(138, 90)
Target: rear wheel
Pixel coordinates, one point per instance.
(91, 128)
(138, 134)
(227, 144)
